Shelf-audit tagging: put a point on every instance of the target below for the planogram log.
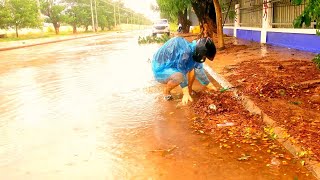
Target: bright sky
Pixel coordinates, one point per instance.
(142, 6)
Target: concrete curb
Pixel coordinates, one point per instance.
(282, 133)
(47, 42)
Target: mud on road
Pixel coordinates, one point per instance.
(283, 82)
(243, 136)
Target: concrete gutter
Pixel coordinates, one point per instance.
(282, 133)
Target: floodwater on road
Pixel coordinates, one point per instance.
(90, 109)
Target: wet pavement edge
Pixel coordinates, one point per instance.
(282, 133)
(49, 41)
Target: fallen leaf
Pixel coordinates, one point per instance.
(244, 157)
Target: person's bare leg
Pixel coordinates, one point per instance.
(173, 81)
(191, 78)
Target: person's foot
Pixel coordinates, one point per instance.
(168, 97)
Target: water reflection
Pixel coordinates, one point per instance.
(63, 118)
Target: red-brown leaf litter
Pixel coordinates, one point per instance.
(287, 91)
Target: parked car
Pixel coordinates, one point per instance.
(161, 26)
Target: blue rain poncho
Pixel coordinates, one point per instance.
(176, 56)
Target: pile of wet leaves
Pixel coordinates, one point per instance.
(272, 79)
(221, 117)
(284, 91)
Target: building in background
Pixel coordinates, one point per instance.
(270, 22)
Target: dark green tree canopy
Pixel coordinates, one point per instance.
(311, 13)
(19, 14)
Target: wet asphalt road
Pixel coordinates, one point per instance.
(90, 109)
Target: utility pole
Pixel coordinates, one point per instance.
(114, 15)
(38, 4)
(93, 27)
(139, 21)
(132, 21)
(119, 12)
(95, 7)
(39, 11)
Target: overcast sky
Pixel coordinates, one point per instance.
(142, 6)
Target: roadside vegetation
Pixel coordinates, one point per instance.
(101, 15)
(36, 35)
(310, 13)
(153, 39)
(316, 60)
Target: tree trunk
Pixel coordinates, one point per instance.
(56, 26)
(74, 29)
(219, 24)
(205, 11)
(17, 35)
(183, 19)
(86, 28)
(208, 28)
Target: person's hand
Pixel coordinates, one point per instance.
(186, 96)
(210, 86)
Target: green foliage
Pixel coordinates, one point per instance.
(270, 132)
(80, 14)
(173, 27)
(5, 16)
(316, 60)
(21, 14)
(296, 2)
(103, 17)
(232, 14)
(225, 6)
(296, 102)
(224, 89)
(50, 29)
(310, 13)
(297, 23)
(76, 15)
(170, 8)
(153, 39)
(53, 11)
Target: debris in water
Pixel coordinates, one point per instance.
(226, 124)
(165, 151)
(280, 67)
(275, 162)
(213, 107)
(224, 89)
(244, 157)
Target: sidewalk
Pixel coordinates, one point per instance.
(282, 86)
